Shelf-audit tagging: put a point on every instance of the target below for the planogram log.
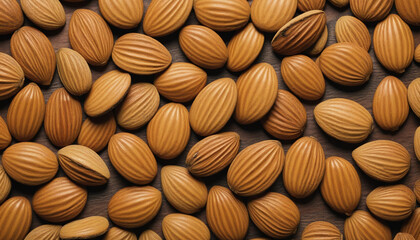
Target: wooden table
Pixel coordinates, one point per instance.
(312, 208)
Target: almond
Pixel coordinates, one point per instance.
(5, 185)
(300, 33)
(203, 46)
(183, 191)
(85, 228)
(168, 132)
(132, 158)
(320, 43)
(115, 233)
(321, 230)
(212, 154)
(35, 54)
(271, 15)
(11, 76)
(83, 165)
(257, 90)
(11, 16)
(44, 232)
(362, 226)
(181, 82)
(417, 54)
(414, 96)
(223, 16)
(275, 215)
(213, 107)
(244, 175)
(339, 3)
(165, 17)
(383, 160)
(394, 43)
(307, 5)
(149, 235)
(304, 167)
(416, 190)
(5, 137)
(124, 14)
(113, 83)
(371, 10)
(417, 143)
(59, 201)
(351, 29)
(412, 225)
(303, 77)
(226, 215)
(139, 106)
(409, 11)
(30, 163)
(182, 226)
(48, 14)
(96, 132)
(16, 215)
(133, 207)
(344, 119)
(341, 187)
(140, 54)
(91, 36)
(404, 236)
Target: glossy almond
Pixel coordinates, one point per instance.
(132, 158)
(417, 143)
(140, 54)
(213, 107)
(44, 232)
(339, 3)
(275, 215)
(149, 235)
(414, 96)
(412, 225)
(11, 76)
(383, 160)
(404, 236)
(60, 200)
(133, 207)
(5, 137)
(11, 16)
(85, 228)
(307, 5)
(5, 185)
(351, 29)
(321, 230)
(16, 218)
(416, 190)
(362, 226)
(409, 11)
(91, 36)
(35, 54)
(96, 132)
(203, 46)
(371, 10)
(271, 15)
(30, 163)
(344, 119)
(125, 14)
(47, 14)
(393, 43)
(417, 54)
(115, 233)
(181, 226)
(319, 45)
(83, 165)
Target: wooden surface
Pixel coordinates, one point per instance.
(312, 208)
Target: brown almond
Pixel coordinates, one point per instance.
(416, 190)
(5, 185)
(417, 54)
(413, 94)
(371, 10)
(320, 43)
(351, 29)
(409, 11)
(5, 137)
(11, 76)
(85, 228)
(122, 14)
(116, 233)
(417, 143)
(271, 15)
(339, 3)
(321, 230)
(11, 16)
(96, 132)
(47, 14)
(44, 232)
(16, 215)
(182, 226)
(307, 5)
(412, 225)
(404, 236)
(361, 225)
(149, 235)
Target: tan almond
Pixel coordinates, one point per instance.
(271, 15)
(182, 226)
(116, 233)
(417, 54)
(47, 14)
(11, 16)
(149, 235)
(351, 29)
(16, 215)
(44, 232)
(362, 226)
(5, 185)
(371, 10)
(404, 236)
(417, 143)
(416, 190)
(5, 137)
(414, 96)
(96, 132)
(85, 228)
(320, 43)
(339, 3)
(307, 5)
(409, 11)
(11, 76)
(321, 230)
(412, 225)
(124, 14)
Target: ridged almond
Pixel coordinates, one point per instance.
(339, 3)
(226, 215)
(83, 165)
(85, 228)
(5, 137)
(416, 190)
(11, 76)
(362, 226)
(15, 218)
(275, 215)
(5, 185)
(351, 29)
(393, 43)
(96, 132)
(44, 232)
(244, 175)
(383, 160)
(414, 96)
(417, 143)
(321, 230)
(60, 200)
(371, 10)
(404, 236)
(125, 14)
(149, 235)
(319, 45)
(307, 5)
(11, 16)
(417, 54)
(271, 15)
(132, 158)
(181, 226)
(116, 233)
(412, 225)
(47, 14)
(213, 107)
(133, 207)
(409, 11)
(140, 54)
(91, 36)
(341, 187)
(344, 119)
(30, 163)
(35, 54)
(168, 132)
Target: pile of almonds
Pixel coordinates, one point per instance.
(298, 29)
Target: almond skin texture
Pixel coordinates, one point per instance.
(362, 226)
(140, 54)
(181, 82)
(383, 160)
(390, 105)
(307, 5)
(275, 215)
(344, 119)
(341, 187)
(319, 45)
(63, 118)
(35, 54)
(96, 132)
(59, 201)
(133, 207)
(125, 14)
(304, 167)
(257, 90)
(371, 10)
(412, 225)
(184, 192)
(119, 234)
(44, 232)
(132, 158)
(5, 185)
(16, 217)
(11, 76)
(417, 54)
(417, 143)
(404, 236)
(222, 16)
(203, 46)
(213, 107)
(164, 17)
(351, 29)
(303, 77)
(394, 44)
(300, 33)
(113, 83)
(85, 228)
(321, 230)
(48, 15)
(212, 154)
(83, 165)
(416, 190)
(181, 226)
(5, 137)
(11, 16)
(409, 11)
(91, 36)
(149, 235)
(339, 3)
(414, 96)
(168, 132)
(139, 106)
(30, 163)
(271, 15)
(226, 215)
